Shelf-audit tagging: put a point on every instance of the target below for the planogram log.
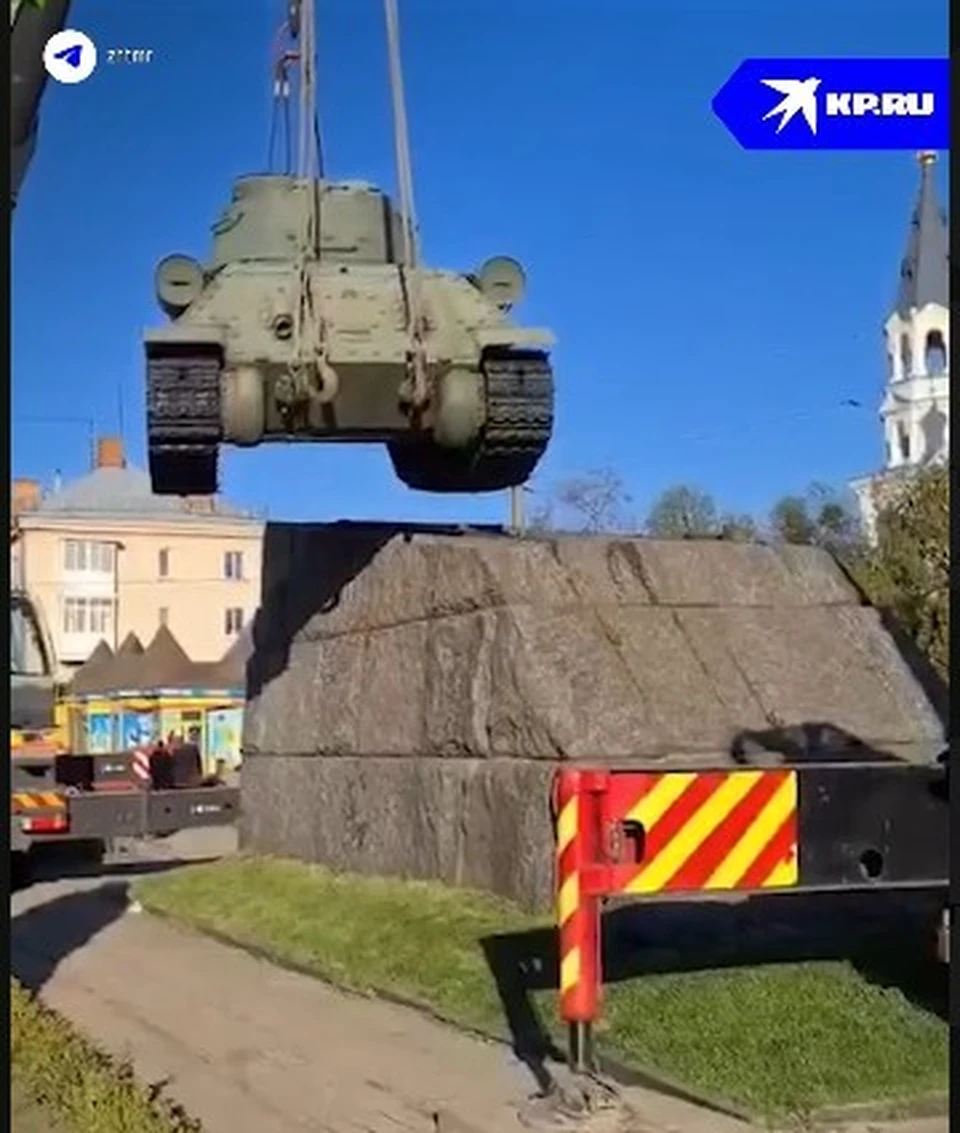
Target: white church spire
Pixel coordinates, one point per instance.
(915, 411)
(915, 407)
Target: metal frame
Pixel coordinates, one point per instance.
(817, 827)
(136, 813)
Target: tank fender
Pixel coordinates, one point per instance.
(519, 338)
(187, 334)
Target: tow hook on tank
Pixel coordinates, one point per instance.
(316, 382)
(326, 382)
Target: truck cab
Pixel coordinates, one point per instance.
(33, 682)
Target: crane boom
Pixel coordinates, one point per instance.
(32, 22)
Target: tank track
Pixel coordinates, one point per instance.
(519, 424)
(183, 419)
(183, 426)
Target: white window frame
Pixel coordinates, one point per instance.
(233, 621)
(89, 556)
(83, 616)
(74, 620)
(233, 565)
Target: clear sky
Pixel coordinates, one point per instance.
(714, 308)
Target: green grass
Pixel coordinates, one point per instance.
(778, 1039)
(63, 1084)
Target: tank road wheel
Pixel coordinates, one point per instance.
(518, 398)
(183, 418)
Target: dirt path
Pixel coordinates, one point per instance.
(25, 1117)
(249, 1048)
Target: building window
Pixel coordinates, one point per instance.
(88, 556)
(233, 621)
(163, 615)
(233, 564)
(163, 562)
(904, 444)
(935, 359)
(88, 616)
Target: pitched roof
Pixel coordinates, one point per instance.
(121, 668)
(90, 674)
(924, 270)
(127, 492)
(231, 670)
(162, 665)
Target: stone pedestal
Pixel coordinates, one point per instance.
(412, 690)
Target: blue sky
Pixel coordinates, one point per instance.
(713, 307)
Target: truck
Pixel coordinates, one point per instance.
(59, 794)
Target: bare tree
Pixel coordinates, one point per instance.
(591, 502)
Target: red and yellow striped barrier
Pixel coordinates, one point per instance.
(577, 914)
(710, 830)
(814, 826)
(625, 833)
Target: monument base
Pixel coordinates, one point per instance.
(412, 690)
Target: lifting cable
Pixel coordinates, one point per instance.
(314, 379)
(285, 58)
(409, 270)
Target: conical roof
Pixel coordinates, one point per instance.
(230, 671)
(164, 664)
(924, 272)
(122, 670)
(89, 677)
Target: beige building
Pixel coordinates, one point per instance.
(102, 556)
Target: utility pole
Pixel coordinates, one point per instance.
(517, 517)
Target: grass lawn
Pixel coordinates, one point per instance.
(60, 1083)
(779, 1038)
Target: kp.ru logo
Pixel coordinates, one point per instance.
(837, 104)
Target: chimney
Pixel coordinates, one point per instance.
(110, 453)
(25, 495)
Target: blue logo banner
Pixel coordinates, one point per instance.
(849, 104)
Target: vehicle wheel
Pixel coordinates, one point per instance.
(20, 869)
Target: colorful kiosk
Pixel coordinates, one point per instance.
(118, 701)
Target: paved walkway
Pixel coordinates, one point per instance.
(249, 1048)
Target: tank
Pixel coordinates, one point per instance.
(265, 344)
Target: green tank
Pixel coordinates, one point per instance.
(268, 344)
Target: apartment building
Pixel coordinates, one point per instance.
(103, 556)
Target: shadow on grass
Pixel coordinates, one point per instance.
(888, 937)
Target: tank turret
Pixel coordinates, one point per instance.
(305, 324)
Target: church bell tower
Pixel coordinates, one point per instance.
(915, 411)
